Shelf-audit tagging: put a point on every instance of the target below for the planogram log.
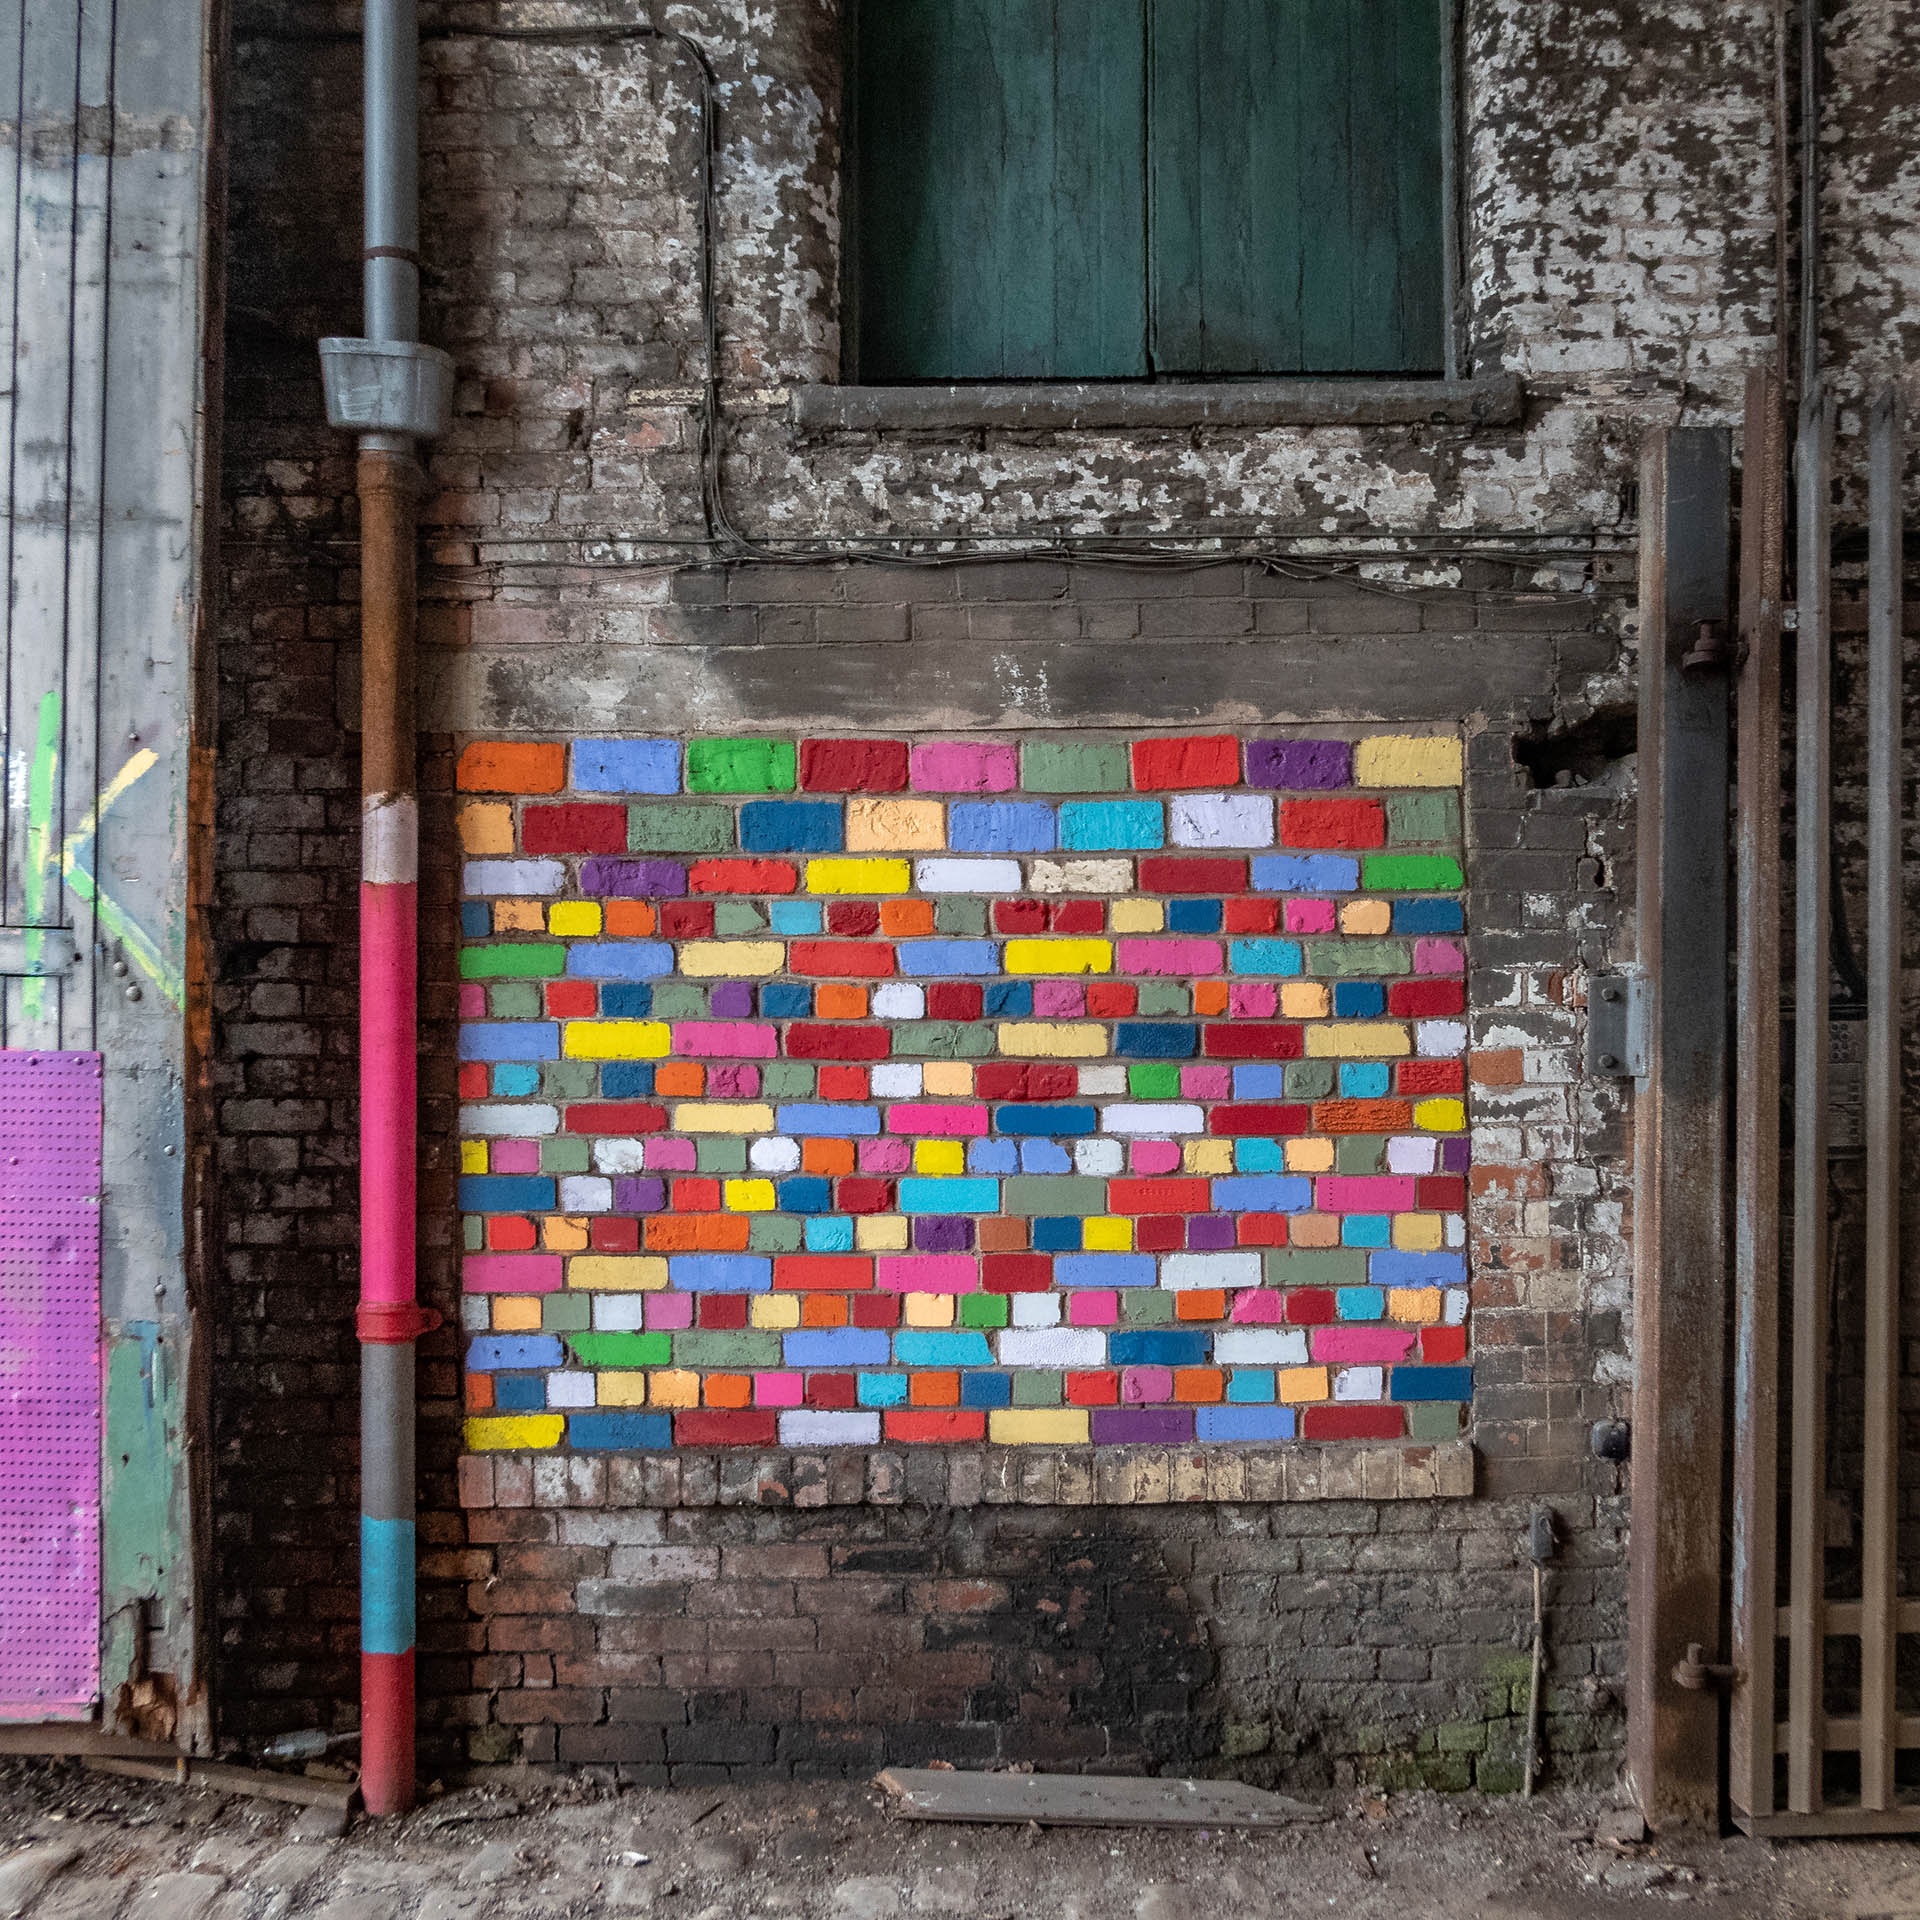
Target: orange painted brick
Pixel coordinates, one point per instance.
(933, 1389)
(697, 1232)
(479, 1392)
(1209, 997)
(1001, 1234)
(1198, 1385)
(1498, 1067)
(839, 1000)
(512, 766)
(827, 1156)
(1203, 1303)
(679, 1079)
(728, 1390)
(823, 1309)
(905, 919)
(630, 919)
(1362, 1116)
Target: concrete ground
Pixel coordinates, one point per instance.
(83, 1846)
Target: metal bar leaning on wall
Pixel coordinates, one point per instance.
(1880, 1505)
(1756, 1358)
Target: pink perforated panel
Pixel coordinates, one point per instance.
(49, 1383)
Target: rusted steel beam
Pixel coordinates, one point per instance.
(1680, 1251)
(1756, 1204)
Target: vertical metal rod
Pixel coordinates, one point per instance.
(1807, 1425)
(1880, 1507)
(1756, 1353)
(1452, 193)
(1810, 39)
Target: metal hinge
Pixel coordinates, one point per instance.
(1619, 1015)
(34, 953)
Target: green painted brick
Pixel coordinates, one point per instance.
(701, 1348)
(773, 1233)
(679, 1000)
(621, 1349)
(719, 1153)
(956, 913)
(1422, 817)
(564, 1153)
(1162, 997)
(740, 766)
(1357, 1153)
(676, 827)
(1434, 1420)
(1075, 766)
(514, 960)
(1316, 1267)
(1052, 1193)
(786, 1080)
(1410, 872)
(516, 1000)
(473, 1233)
(943, 1039)
(566, 1312)
(1332, 959)
(1154, 1080)
(1309, 1079)
(1146, 1307)
(738, 916)
(1035, 1387)
(569, 1079)
(985, 1310)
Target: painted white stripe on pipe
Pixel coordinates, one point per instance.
(389, 839)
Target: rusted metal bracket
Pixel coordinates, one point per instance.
(1620, 1023)
(1697, 1673)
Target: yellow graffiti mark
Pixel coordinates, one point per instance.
(75, 867)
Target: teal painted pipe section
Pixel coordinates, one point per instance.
(386, 1585)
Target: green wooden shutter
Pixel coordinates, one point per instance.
(1295, 186)
(1001, 189)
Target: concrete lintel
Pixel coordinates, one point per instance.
(1049, 406)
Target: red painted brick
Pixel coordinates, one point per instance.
(615, 1116)
(1198, 760)
(723, 1312)
(1159, 1196)
(576, 827)
(833, 1390)
(1422, 999)
(822, 1272)
(1431, 1076)
(511, 1233)
(706, 1427)
(845, 1083)
(931, 1423)
(1078, 916)
(1262, 1230)
(1100, 1389)
(1257, 1120)
(1016, 1272)
(695, 1196)
(1019, 916)
(686, 919)
(1008, 1080)
(955, 1000)
(1175, 873)
(1355, 1423)
(1111, 999)
(742, 876)
(1443, 1346)
(837, 1040)
(1251, 916)
(1441, 1193)
(841, 959)
(1160, 1232)
(572, 999)
(1252, 1041)
(1332, 823)
(614, 1233)
(473, 1080)
(853, 766)
(855, 918)
(874, 1309)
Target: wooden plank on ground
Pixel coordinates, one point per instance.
(1088, 1800)
(293, 1787)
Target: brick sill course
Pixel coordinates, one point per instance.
(968, 1477)
(1046, 406)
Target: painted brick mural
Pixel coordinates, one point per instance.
(1067, 1089)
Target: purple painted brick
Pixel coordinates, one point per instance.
(1299, 764)
(1141, 1426)
(731, 999)
(1210, 1232)
(632, 879)
(639, 1196)
(1455, 1154)
(948, 1233)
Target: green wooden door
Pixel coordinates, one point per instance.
(1295, 186)
(1001, 180)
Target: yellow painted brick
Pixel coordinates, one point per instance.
(1366, 916)
(939, 1156)
(749, 1196)
(1357, 1040)
(1207, 1156)
(885, 826)
(708, 1117)
(519, 916)
(1301, 1383)
(1059, 956)
(516, 1313)
(1304, 1000)
(563, 1233)
(947, 1078)
(574, 917)
(880, 1232)
(1107, 1233)
(496, 1433)
(1414, 1306)
(1039, 1426)
(1137, 916)
(1418, 1232)
(616, 1039)
(1051, 1040)
(1309, 1156)
(1406, 760)
(731, 959)
(625, 1387)
(858, 876)
(929, 1310)
(486, 826)
(674, 1387)
(777, 1311)
(1440, 1116)
(618, 1272)
(473, 1156)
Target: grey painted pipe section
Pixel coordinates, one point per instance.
(391, 82)
(386, 1430)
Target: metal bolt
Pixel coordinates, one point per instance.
(1609, 994)
(133, 990)
(1610, 1062)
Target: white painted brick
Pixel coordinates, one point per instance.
(1359, 1383)
(1159, 1118)
(1220, 820)
(1082, 876)
(899, 1000)
(619, 1156)
(967, 876)
(619, 1312)
(774, 1154)
(805, 1428)
(569, 1389)
(515, 1122)
(894, 1080)
(1030, 1309)
(1260, 1347)
(1053, 1347)
(585, 1193)
(483, 877)
(1183, 1270)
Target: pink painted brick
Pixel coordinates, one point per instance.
(731, 1039)
(1171, 956)
(1258, 1307)
(1097, 1307)
(964, 766)
(1438, 956)
(1363, 1346)
(1155, 1156)
(1363, 1193)
(777, 1389)
(1253, 1000)
(1311, 916)
(669, 1312)
(1206, 1083)
(473, 1003)
(1146, 1385)
(946, 1122)
(511, 1272)
(668, 1153)
(928, 1273)
(886, 1156)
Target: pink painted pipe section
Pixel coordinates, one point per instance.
(389, 922)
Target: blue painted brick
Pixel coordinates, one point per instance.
(1155, 1040)
(837, 1347)
(626, 1080)
(720, 1272)
(626, 766)
(986, 1389)
(1433, 1383)
(1398, 1269)
(1262, 1081)
(493, 1351)
(619, 959)
(1158, 1347)
(786, 1000)
(1250, 1386)
(1044, 1156)
(1243, 1423)
(1009, 999)
(1261, 1193)
(1359, 999)
(476, 919)
(1000, 826)
(1193, 916)
(828, 1122)
(620, 1001)
(791, 826)
(830, 1233)
(807, 1194)
(520, 1393)
(510, 1040)
(944, 957)
(1056, 1236)
(1427, 916)
(1105, 1270)
(1049, 1120)
(608, 1429)
(1305, 873)
(993, 1156)
(506, 1193)
(1366, 1229)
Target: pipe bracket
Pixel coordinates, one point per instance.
(387, 386)
(393, 1323)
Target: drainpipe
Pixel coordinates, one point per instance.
(394, 394)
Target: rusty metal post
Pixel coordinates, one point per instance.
(1680, 1278)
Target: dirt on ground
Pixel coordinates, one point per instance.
(79, 1845)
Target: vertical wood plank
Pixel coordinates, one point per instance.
(1375, 131)
(1807, 1428)
(1880, 1500)
(1756, 1362)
